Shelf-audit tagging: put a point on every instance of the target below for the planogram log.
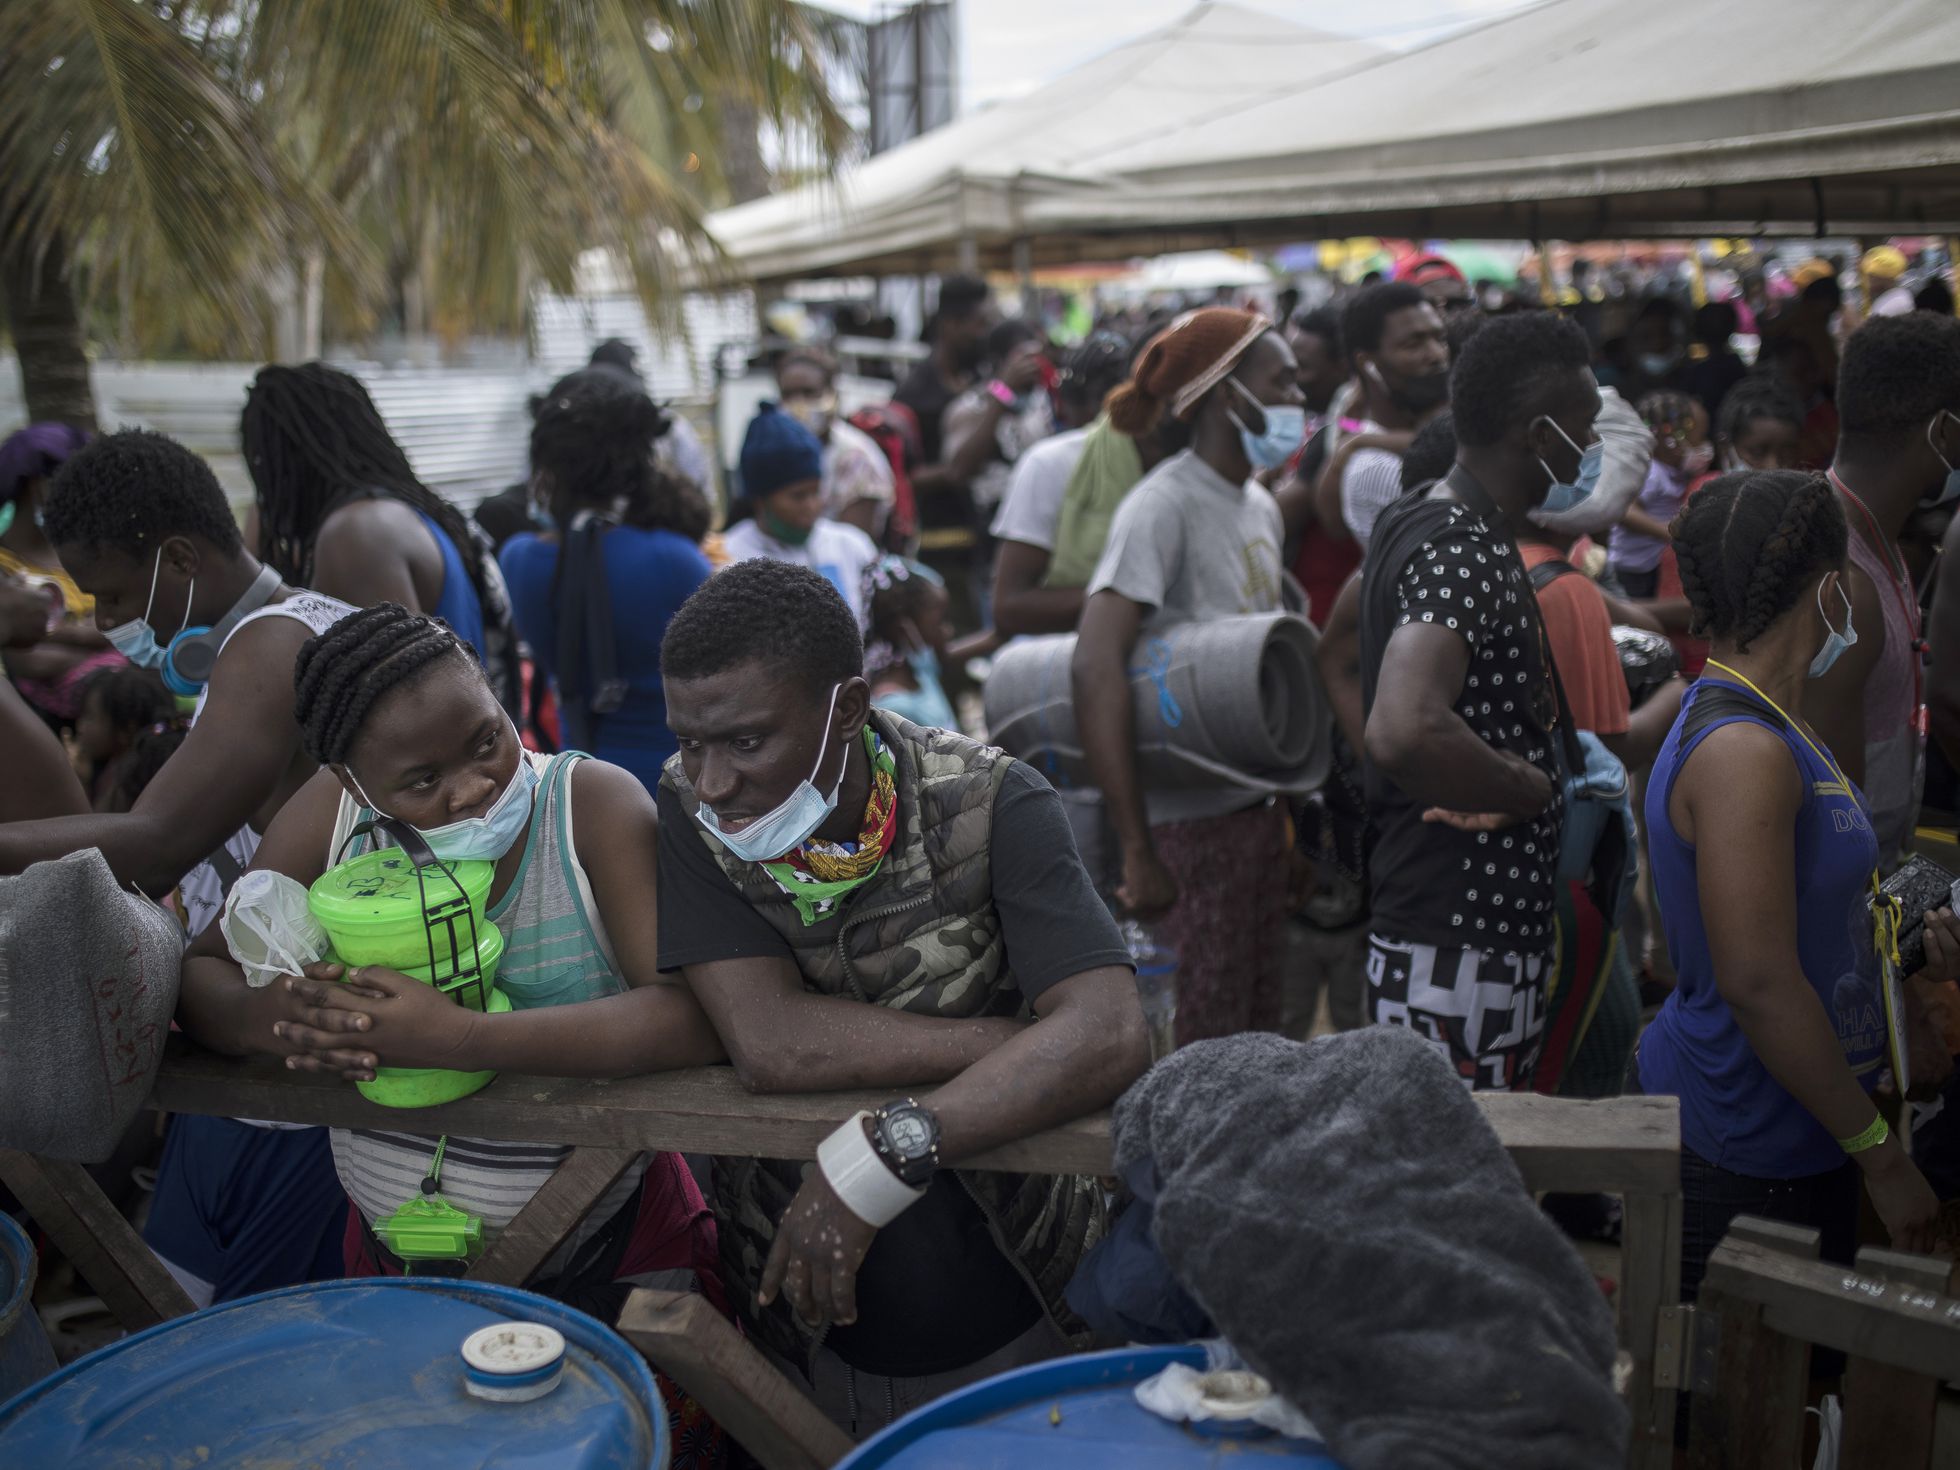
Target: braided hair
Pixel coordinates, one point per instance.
(341, 673)
(313, 439)
(593, 433)
(1750, 545)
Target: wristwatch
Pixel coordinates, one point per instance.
(906, 1137)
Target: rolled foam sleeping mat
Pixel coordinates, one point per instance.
(1235, 703)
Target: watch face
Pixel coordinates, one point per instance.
(909, 1134)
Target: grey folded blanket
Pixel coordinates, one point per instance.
(1351, 1223)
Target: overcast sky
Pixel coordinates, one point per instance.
(1008, 47)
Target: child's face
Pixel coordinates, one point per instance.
(93, 733)
(1765, 444)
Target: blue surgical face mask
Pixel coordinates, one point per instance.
(1286, 431)
(793, 822)
(1835, 642)
(1657, 364)
(136, 640)
(1563, 496)
(488, 837)
(1950, 491)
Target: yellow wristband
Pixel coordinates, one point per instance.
(1872, 1137)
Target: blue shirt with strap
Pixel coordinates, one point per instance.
(458, 605)
(1733, 1112)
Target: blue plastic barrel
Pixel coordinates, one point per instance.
(1075, 1413)
(334, 1376)
(25, 1356)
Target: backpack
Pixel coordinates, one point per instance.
(894, 429)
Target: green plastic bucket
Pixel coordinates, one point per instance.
(424, 1087)
(489, 955)
(377, 910)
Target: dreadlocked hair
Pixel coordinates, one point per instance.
(1751, 544)
(342, 672)
(314, 439)
(593, 434)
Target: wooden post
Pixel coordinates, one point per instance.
(1650, 1273)
(769, 1416)
(92, 1233)
(552, 1214)
(1753, 1420)
(1890, 1413)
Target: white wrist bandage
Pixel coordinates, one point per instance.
(862, 1180)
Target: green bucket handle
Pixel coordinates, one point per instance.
(443, 914)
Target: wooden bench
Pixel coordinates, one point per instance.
(1623, 1146)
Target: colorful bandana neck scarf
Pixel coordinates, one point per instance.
(819, 874)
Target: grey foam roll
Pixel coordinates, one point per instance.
(1231, 704)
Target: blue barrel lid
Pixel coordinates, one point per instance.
(1075, 1413)
(337, 1375)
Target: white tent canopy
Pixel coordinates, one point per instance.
(1577, 119)
(909, 209)
(1573, 119)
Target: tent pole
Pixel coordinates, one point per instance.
(1024, 273)
(969, 255)
(1547, 285)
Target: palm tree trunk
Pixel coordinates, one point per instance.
(47, 333)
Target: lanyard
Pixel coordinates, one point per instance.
(1902, 591)
(1886, 912)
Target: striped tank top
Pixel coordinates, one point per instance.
(555, 953)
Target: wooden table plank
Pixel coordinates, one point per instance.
(64, 1201)
(1619, 1145)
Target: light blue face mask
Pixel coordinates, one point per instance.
(1835, 642)
(136, 640)
(1950, 490)
(490, 836)
(793, 822)
(7, 518)
(1563, 496)
(1286, 431)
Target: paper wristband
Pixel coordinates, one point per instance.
(862, 1180)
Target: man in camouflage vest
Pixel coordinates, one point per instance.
(859, 902)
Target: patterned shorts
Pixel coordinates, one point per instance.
(1485, 1012)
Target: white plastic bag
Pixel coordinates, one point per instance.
(1181, 1393)
(268, 927)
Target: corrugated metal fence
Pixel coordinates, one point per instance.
(464, 430)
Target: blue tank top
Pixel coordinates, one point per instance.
(1733, 1113)
(458, 606)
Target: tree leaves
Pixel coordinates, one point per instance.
(197, 152)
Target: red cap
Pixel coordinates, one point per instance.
(1426, 268)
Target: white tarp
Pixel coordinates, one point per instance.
(1573, 119)
(975, 178)
(1583, 118)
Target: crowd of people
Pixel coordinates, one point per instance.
(1633, 649)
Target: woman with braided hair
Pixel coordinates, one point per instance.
(1764, 860)
(340, 510)
(405, 726)
(593, 593)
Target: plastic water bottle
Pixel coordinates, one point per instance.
(1156, 965)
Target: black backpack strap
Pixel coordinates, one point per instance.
(587, 655)
(1548, 572)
